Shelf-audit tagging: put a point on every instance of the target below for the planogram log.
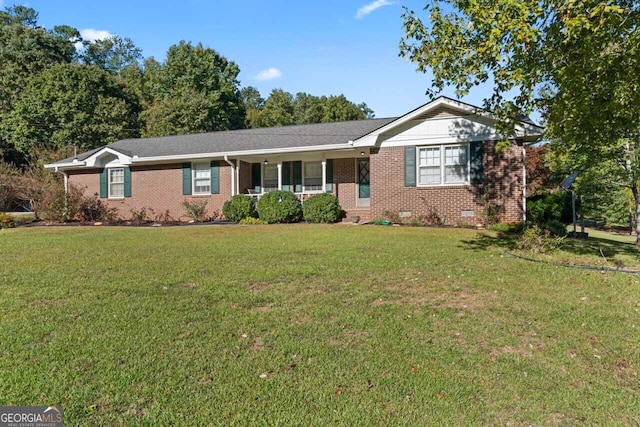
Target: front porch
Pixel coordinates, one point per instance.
(343, 174)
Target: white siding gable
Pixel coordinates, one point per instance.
(441, 126)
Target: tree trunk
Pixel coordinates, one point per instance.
(634, 190)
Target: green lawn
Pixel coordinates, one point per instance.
(310, 325)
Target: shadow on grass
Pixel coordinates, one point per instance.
(600, 246)
(594, 246)
(482, 242)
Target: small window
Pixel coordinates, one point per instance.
(429, 167)
(312, 176)
(201, 178)
(270, 180)
(116, 183)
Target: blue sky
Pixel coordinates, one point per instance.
(329, 47)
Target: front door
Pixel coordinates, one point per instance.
(364, 189)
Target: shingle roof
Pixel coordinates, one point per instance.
(245, 139)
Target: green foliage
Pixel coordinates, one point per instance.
(196, 79)
(322, 208)
(6, 221)
(279, 207)
(112, 54)
(196, 210)
(539, 240)
(278, 109)
(550, 207)
(240, 206)
(251, 221)
(70, 104)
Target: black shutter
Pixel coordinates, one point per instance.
(256, 177)
(477, 168)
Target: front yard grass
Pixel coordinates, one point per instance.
(310, 325)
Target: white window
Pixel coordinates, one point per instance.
(270, 178)
(312, 176)
(445, 164)
(116, 183)
(201, 178)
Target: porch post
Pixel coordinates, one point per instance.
(280, 176)
(237, 177)
(324, 176)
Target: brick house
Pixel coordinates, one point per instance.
(438, 160)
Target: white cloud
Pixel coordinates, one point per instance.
(367, 9)
(92, 35)
(269, 74)
(89, 34)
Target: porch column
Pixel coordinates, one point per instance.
(280, 176)
(324, 176)
(237, 177)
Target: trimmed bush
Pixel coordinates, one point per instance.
(6, 221)
(279, 207)
(322, 208)
(240, 206)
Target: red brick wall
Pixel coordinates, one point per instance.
(158, 188)
(502, 176)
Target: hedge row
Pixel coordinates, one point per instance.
(283, 207)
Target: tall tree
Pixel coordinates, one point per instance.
(577, 62)
(339, 108)
(25, 50)
(70, 104)
(112, 54)
(307, 108)
(278, 109)
(253, 103)
(190, 70)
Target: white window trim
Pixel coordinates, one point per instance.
(109, 183)
(442, 183)
(304, 187)
(193, 179)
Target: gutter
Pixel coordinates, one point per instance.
(332, 147)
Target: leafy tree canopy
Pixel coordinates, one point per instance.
(70, 104)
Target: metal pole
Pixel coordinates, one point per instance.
(573, 207)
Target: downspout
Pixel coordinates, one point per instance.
(524, 183)
(233, 174)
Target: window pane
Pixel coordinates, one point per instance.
(429, 175)
(430, 156)
(117, 190)
(312, 177)
(455, 173)
(456, 155)
(270, 179)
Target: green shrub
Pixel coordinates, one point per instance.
(538, 240)
(251, 220)
(550, 207)
(279, 206)
(322, 208)
(6, 221)
(556, 228)
(56, 205)
(240, 206)
(196, 210)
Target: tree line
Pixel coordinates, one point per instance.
(58, 90)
